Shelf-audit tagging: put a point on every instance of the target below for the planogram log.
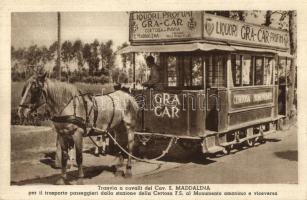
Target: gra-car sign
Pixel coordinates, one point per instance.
(224, 29)
(160, 25)
(166, 105)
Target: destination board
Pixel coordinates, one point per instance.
(162, 25)
(251, 97)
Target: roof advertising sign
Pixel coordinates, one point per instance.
(224, 29)
(162, 25)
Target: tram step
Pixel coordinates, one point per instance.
(214, 149)
(224, 144)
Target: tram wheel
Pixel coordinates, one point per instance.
(280, 124)
(250, 142)
(262, 140)
(188, 145)
(240, 146)
(227, 149)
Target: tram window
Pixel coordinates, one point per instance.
(197, 72)
(236, 62)
(275, 73)
(247, 70)
(258, 71)
(241, 70)
(209, 72)
(187, 76)
(289, 61)
(172, 71)
(282, 70)
(268, 71)
(192, 71)
(217, 71)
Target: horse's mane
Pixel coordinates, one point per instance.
(60, 92)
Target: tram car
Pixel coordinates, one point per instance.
(224, 81)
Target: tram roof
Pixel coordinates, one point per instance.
(174, 48)
(189, 47)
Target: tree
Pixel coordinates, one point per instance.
(293, 51)
(86, 52)
(238, 15)
(77, 52)
(290, 26)
(107, 57)
(67, 55)
(34, 59)
(127, 57)
(95, 57)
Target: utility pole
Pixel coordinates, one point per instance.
(59, 46)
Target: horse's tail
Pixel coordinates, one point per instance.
(133, 106)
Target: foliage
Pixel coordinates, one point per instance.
(78, 61)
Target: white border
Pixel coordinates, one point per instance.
(286, 191)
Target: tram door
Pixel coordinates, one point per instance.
(215, 88)
(282, 85)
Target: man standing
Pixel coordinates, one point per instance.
(154, 77)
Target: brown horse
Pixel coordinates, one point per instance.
(63, 101)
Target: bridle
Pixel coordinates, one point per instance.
(40, 92)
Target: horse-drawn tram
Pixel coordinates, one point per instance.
(222, 82)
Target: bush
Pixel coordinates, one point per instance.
(96, 79)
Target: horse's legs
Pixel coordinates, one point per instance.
(64, 147)
(78, 141)
(130, 150)
(58, 153)
(119, 165)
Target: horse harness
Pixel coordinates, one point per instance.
(80, 121)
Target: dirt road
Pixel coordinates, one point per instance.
(273, 162)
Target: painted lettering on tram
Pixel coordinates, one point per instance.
(165, 25)
(251, 98)
(166, 105)
(225, 29)
(264, 96)
(241, 98)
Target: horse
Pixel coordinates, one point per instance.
(71, 113)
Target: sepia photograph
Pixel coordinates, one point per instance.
(146, 103)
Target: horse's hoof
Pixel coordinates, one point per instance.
(128, 175)
(119, 173)
(57, 166)
(80, 181)
(81, 174)
(68, 166)
(61, 181)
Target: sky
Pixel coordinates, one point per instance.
(41, 28)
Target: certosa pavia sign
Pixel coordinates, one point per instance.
(151, 26)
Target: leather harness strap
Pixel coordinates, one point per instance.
(113, 113)
(79, 121)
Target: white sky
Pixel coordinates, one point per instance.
(41, 28)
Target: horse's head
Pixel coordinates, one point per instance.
(33, 96)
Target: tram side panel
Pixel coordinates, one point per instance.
(173, 113)
(251, 105)
(237, 115)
